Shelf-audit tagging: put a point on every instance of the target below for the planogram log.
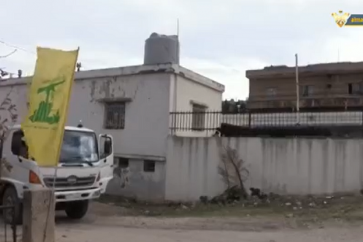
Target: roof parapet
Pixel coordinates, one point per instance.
(308, 70)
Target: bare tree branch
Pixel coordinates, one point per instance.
(232, 169)
(8, 116)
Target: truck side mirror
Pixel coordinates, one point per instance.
(105, 145)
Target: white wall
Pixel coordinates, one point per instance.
(147, 115)
(187, 92)
(135, 182)
(283, 166)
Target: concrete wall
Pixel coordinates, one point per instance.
(283, 166)
(312, 69)
(150, 98)
(147, 114)
(189, 92)
(133, 181)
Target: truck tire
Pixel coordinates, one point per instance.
(77, 209)
(10, 198)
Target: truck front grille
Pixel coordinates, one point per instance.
(61, 182)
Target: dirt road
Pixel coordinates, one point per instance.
(113, 234)
(106, 225)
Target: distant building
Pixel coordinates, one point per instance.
(332, 85)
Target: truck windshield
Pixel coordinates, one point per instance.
(79, 147)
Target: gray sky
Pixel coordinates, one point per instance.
(219, 39)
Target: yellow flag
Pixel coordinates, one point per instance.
(49, 95)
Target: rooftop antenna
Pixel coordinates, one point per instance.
(79, 66)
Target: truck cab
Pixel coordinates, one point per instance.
(84, 169)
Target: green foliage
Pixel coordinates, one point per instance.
(231, 106)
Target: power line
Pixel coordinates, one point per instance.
(16, 47)
(4, 56)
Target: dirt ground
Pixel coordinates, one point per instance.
(106, 223)
(290, 219)
(296, 219)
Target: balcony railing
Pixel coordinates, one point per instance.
(209, 121)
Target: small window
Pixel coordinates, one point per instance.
(114, 115)
(350, 88)
(149, 166)
(360, 88)
(356, 88)
(271, 91)
(198, 118)
(307, 91)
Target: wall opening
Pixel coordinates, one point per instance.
(149, 166)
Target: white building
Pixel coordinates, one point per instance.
(132, 104)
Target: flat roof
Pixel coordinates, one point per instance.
(71, 128)
(308, 70)
(132, 70)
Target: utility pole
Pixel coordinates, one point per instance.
(297, 88)
(178, 39)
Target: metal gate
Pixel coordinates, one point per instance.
(9, 233)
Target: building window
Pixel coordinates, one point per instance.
(149, 166)
(307, 91)
(121, 162)
(198, 118)
(18, 145)
(350, 88)
(356, 88)
(271, 91)
(114, 115)
(359, 88)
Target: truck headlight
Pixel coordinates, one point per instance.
(34, 178)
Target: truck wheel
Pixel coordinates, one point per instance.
(10, 198)
(77, 209)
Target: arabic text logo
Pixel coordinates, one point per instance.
(43, 113)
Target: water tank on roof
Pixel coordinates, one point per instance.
(161, 49)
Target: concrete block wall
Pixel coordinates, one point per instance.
(283, 166)
(133, 181)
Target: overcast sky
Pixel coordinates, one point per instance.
(219, 39)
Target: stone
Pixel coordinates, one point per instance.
(39, 215)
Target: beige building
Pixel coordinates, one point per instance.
(320, 85)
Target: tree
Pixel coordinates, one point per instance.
(233, 171)
(232, 106)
